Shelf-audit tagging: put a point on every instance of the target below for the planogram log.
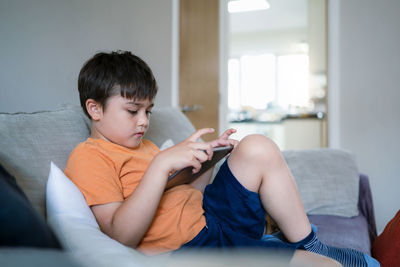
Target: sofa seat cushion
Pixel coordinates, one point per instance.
(343, 232)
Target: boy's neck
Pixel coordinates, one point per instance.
(95, 134)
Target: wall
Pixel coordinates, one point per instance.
(369, 95)
(44, 43)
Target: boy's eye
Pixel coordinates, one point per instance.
(134, 112)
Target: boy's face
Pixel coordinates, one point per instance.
(124, 121)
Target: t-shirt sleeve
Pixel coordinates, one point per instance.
(95, 175)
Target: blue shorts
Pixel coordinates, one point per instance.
(234, 215)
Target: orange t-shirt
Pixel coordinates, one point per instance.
(106, 172)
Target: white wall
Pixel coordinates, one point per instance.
(44, 43)
(369, 94)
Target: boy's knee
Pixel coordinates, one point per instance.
(257, 145)
(250, 158)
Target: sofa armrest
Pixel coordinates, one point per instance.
(366, 207)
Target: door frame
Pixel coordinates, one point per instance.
(333, 54)
(175, 55)
(223, 64)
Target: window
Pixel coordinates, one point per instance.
(292, 85)
(257, 81)
(234, 84)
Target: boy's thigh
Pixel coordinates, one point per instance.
(232, 205)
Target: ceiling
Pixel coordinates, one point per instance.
(283, 14)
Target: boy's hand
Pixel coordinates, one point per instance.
(224, 140)
(188, 153)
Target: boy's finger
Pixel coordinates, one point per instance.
(197, 134)
(204, 147)
(196, 166)
(233, 142)
(221, 142)
(200, 155)
(228, 132)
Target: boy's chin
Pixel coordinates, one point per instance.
(134, 143)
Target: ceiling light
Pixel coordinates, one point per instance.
(235, 6)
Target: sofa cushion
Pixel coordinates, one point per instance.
(20, 223)
(29, 141)
(339, 231)
(327, 179)
(168, 123)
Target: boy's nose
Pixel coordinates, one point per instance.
(143, 120)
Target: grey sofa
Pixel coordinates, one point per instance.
(336, 197)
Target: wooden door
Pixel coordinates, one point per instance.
(199, 63)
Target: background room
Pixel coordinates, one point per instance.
(277, 71)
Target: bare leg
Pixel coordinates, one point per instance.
(259, 166)
(302, 258)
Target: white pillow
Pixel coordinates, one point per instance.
(76, 227)
(167, 144)
(64, 198)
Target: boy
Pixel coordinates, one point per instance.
(123, 176)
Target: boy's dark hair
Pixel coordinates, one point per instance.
(109, 74)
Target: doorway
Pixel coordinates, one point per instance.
(273, 72)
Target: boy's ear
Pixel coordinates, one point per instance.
(94, 109)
